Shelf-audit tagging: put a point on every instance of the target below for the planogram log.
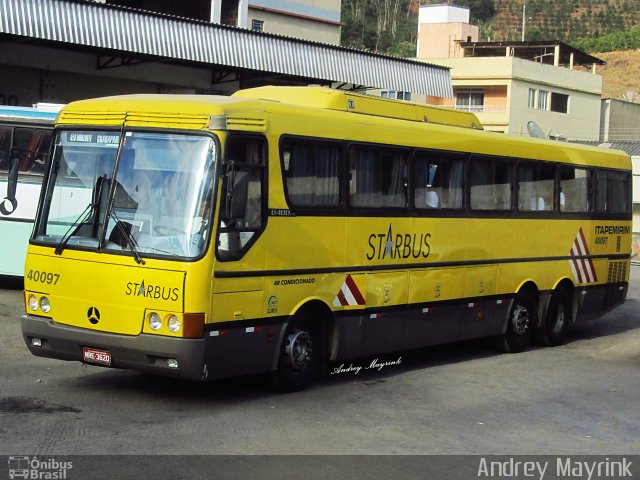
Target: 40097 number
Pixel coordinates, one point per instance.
(43, 277)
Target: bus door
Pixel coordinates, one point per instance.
(238, 294)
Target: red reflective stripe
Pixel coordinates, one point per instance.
(353, 288)
(588, 262)
(341, 299)
(583, 267)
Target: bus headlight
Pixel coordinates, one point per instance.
(45, 305)
(155, 322)
(33, 303)
(173, 323)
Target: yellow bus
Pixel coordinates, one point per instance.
(284, 228)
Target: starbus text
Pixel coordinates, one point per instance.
(152, 291)
(383, 245)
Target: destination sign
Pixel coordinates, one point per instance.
(92, 138)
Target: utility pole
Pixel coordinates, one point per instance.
(524, 16)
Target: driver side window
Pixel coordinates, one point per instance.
(245, 158)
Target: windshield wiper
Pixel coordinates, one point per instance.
(131, 241)
(84, 216)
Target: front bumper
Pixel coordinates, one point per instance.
(144, 352)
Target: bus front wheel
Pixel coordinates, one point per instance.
(520, 324)
(299, 358)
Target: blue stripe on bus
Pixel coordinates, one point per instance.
(26, 112)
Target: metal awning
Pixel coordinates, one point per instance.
(82, 23)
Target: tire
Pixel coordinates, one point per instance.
(520, 324)
(299, 358)
(554, 330)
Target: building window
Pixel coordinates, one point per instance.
(543, 96)
(396, 95)
(470, 100)
(257, 25)
(545, 100)
(532, 98)
(559, 102)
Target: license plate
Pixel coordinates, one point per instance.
(93, 355)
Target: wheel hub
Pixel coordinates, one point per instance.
(299, 349)
(521, 320)
(559, 323)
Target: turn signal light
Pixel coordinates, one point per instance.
(193, 326)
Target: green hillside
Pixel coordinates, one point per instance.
(390, 26)
(562, 19)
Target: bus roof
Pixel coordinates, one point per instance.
(254, 110)
(308, 97)
(327, 98)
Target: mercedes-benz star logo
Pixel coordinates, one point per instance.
(93, 314)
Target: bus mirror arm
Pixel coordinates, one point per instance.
(10, 203)
(236, 194)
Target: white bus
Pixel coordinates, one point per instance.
(25, 135)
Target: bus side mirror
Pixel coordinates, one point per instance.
(236, 195)
(10, 203)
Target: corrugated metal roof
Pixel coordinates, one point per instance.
(632, 148)
(89, 24)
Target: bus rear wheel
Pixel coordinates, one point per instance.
(554, 331)
(520, 324)
(299, 358)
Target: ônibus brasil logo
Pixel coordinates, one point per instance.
(36, 468)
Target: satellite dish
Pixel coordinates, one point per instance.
(534, 130)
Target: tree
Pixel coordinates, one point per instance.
(403, 49)
(481, 10)
(376, 24)
(534, 35)
(487, 33)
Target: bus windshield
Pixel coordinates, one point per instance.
(147, 193)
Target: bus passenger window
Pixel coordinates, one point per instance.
(490, 185)
(613, 192)
(502, 186)
(378, 178)
(481, 185)
(429, 191)
(575, 189)
(5, 148)
(438, 181)
(535, 187)
(312, 173)
(29, 145)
